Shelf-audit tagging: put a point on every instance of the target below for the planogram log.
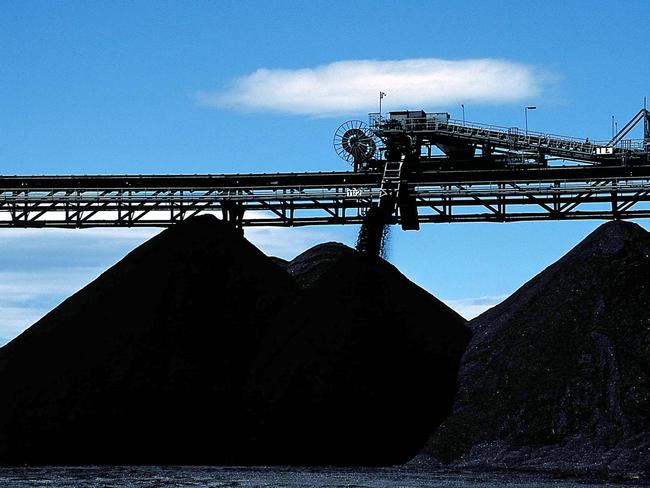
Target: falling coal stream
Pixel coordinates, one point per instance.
(373, 235)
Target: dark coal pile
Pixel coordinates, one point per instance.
(309, 267)
(145, 364)
(361, 368)
(557, 377)
(198, 349)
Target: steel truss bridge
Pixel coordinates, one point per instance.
(300, 199)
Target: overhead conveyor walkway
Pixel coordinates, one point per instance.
(404, 184)
(300, 199)
(439, 129)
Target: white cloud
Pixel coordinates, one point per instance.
(39, 268)
(470, 308)
(23, 286)
(25, 296)
(124, 233)
(287, 243)
(352, 86)
(58, 240)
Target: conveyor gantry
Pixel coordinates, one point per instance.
(299, 199)
(408, 185)
(415, 130)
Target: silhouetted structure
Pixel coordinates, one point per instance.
(298, 199)
(433, 139)
(483, 173)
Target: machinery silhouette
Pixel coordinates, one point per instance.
(408, 143)
(408, 168)
(414, 137)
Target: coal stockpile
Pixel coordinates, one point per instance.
(145, 364)
(557, 377)
(179, 354)
(309, 266)
(361, 368)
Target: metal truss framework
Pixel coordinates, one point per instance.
(299, 199)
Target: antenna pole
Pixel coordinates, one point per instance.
(646, 121)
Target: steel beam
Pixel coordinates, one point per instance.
(299, 199)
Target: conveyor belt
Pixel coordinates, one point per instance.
(297, 199)
(412, 131)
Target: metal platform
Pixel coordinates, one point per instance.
(299, 199)
(415, 132)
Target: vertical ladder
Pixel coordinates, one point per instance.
(390, 183)
(395, 192)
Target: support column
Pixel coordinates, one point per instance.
(233, 212)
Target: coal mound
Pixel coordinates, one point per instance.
(363, 366)
(308, 267)
(557, 377)
(145, 364)
(198, 349)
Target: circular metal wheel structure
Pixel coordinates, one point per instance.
(354, 142)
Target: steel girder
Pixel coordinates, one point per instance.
(323, 198)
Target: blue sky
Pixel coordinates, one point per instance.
(144, 87)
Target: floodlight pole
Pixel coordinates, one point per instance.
(381, 96)
(526, 109)
(462, 105)
(646, 121)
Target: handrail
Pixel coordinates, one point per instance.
(490, 131)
